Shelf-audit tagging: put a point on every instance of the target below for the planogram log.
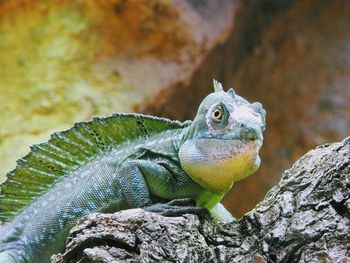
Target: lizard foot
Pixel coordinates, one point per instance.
(179, 207)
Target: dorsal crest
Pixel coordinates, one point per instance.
(232, 93)
(68, 151)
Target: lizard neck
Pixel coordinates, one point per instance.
(208, 199)
(182, 136)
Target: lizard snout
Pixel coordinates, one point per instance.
(249, 130)
(247, 123)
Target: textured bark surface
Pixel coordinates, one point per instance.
(305, 218)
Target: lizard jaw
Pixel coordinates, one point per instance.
(216, 164)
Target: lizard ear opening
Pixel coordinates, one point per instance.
(217, 86)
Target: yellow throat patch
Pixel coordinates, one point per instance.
(216, 164)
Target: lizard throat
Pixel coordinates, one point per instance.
(216, 164)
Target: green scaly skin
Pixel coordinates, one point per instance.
(199, 161)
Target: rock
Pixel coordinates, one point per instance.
(134, 235)
(305, 218)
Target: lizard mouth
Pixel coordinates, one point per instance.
(224, 148)
(251, 137)
(246, 138)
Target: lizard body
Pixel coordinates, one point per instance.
(199, 159)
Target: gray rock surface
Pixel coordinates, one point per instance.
(305, 218)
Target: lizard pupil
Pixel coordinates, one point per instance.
(218, 114)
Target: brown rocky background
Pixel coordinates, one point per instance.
(64, 61)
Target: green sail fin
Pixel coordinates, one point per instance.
(67, 151)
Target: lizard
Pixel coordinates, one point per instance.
(128, 160)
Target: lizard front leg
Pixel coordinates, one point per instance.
(135, 178)
(220, 214)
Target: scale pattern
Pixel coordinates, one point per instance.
(67, 151)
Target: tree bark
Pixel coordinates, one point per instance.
(305, 218)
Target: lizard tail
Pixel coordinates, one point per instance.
(9, 256)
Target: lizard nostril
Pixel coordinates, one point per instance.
(249, 131)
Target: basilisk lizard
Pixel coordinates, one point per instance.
(126, 161)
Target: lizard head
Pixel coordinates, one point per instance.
(224, 140)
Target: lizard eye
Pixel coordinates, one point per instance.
(217, 114)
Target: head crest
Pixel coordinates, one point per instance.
(217, 86)
(231, 92)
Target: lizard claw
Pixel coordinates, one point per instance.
(178, 207)
(182, 202)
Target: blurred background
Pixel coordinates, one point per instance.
(63, 61)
